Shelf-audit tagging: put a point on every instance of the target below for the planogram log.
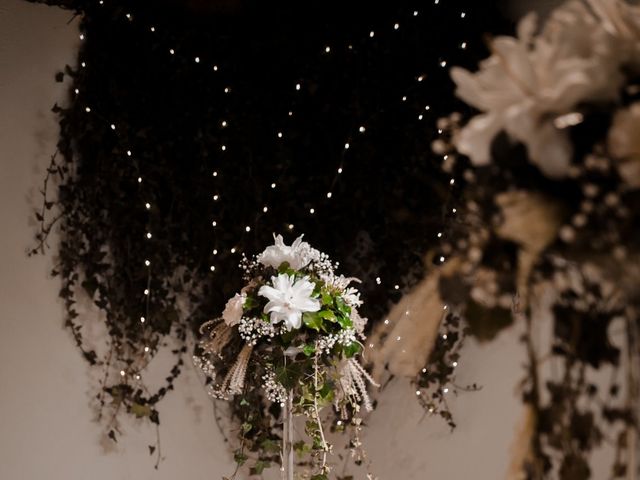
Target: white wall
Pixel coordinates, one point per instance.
(45, 419)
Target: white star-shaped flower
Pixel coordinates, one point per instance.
(289, 299)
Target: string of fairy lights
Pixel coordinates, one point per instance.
(148, 351)
(359, 131)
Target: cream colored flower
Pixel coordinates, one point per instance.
(233, 309)
(530, 80)
(624, 144)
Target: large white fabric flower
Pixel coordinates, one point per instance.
(297, 255)
(233, 309)
(289, 299)
(530, 81)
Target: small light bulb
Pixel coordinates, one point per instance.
(122, 373)
(215, 68)
(404, 98)
(77, 91)
(452, 181)
(297, 86)
(361, 129)
(113, 127)
(128, 15)
(247, 228)
(378, 281)
(279, 134)
(139, 179)
(420, 78)
(128, 153)
(153, 29)
(149, 235)
(146, 291)
(439, 234)
(418, 392)
(214, 223)
(424, 370)
(146, 349)
(329, 194)
(420, 117)
(463, 14)
(87, 109)
(233, 250)
(142, 319)
(443, 63)
(463, 45)
(441, 258)
(290, 113)
(312, 211)
(224, 123)
(215, 174)
(215, 197)
(444, 336)
(223, 147)
(396, 26)
(346, 146)
(147, 205)
(397, 287)
(386, 321)
(454, 364)
(273, 185)
(197, 59)
(327, 49)
(398, 338)
(265, 209)
(372, 34)
(81, 36)
(83, 64)
(291, 226)
(215, 251)
(415, 13)
(172, 51)
(212, 268)
(227, 90)
(446, 390)
(340, 170)
(147, 263)
(427, 108)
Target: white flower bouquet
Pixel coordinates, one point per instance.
(291, 337)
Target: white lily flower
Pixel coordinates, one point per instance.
(289, 299)
(297, 255)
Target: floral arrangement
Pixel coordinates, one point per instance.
(546, 232)
(290, 337)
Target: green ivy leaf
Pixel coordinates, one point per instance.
(345, 321)
(327, 315)
(320, 476)
(288, 375)
(343, 307)
(140, 410)
(259, 467)
(239, 457)
(352, 349)
(308, 349)
(312, 320)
